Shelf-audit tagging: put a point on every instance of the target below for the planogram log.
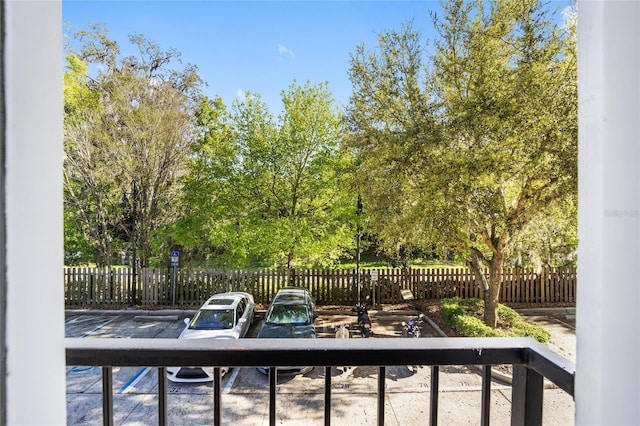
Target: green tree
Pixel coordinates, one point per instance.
(549, 240)
(89, 215)
(308, 201)
(273, 194)
(126, 153)
(205, 219)
(493, 146)
(390, 120)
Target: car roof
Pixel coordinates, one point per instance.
(291, 295)
(223, 300)
(296, 290)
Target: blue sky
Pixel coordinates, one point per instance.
(258, 46)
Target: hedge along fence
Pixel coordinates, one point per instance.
(191, 287)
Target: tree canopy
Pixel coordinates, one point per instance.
(481, 138)
(128, 132)
(268, 191)
(465, 144)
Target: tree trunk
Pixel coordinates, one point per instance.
(492, 297)
(489, 289)
(290, 257)
(474, 264)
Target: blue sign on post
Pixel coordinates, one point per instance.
(175, 257)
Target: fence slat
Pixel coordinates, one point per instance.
(101, 286)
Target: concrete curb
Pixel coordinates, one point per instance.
(407, 312)
(494, 373)
(569, 310)
(136, 312)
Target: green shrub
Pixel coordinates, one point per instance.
(466, 316)
(508, 315)
(451, 309)
(474, 327)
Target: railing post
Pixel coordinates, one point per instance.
(273, 381)
(381, 396)
(327, 396)
(163, 417)
(217, 406)
(107, 396)
(433, 412)
(486, 394)
(526, 396)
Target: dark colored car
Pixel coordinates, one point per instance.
(290, 315)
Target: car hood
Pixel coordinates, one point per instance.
(208, 334)
(271, 331)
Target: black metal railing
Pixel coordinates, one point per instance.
(531, 361)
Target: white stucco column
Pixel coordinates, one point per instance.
(35, 380)
(608, 308)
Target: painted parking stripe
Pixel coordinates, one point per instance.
(134, 380)
(76, 369)
(71, 320)
(99, 327)
(232, 379)
(80, 319)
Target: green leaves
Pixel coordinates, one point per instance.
(489, 137)
(465, 315)
(479, 150)
(269, 191)
(128, 123)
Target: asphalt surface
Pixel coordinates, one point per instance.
(299, 398)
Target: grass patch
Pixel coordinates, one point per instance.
(466, 316)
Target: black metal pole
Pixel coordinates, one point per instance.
(358, 231)
(358, 261)
(381, 395)
(134, 197)
(327, 396)
(163, 414)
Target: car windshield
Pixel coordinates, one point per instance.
(212, 319)
(288, 314)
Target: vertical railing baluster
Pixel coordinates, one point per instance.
(381, 396)
(273, 375)
(327, 396)
(486, 394)
(217, 406)
(107, 396)
(163, 414)
(433, 412)
(526, 396)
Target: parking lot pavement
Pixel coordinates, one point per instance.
(561, 323)
(299, 399)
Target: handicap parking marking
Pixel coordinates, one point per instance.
(84, 369)
(75, 369)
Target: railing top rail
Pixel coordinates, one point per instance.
(321, 352)
(551, 365)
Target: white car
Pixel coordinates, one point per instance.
(223, 316)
